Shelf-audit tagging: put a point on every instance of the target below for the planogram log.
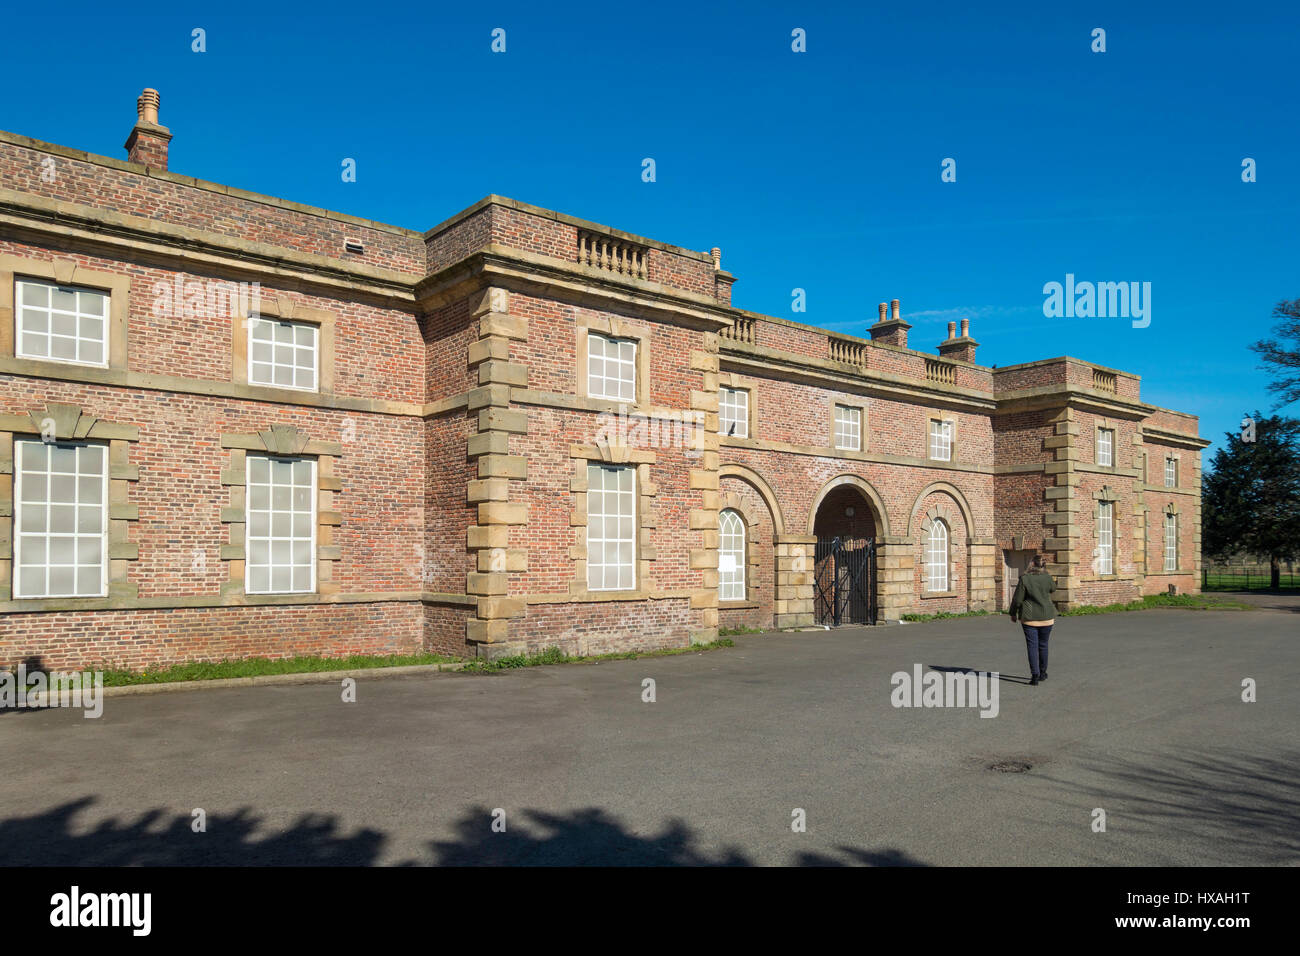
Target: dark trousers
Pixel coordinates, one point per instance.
(1036, 644)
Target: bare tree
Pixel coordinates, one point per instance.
(1281, 355)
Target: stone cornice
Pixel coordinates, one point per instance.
(1059, 396)
(1166, 437)
(746, 358)
(532, 274)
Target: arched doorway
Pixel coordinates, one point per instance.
(845, 579)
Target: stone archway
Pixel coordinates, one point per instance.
(847, 525)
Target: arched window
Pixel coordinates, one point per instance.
(731, 556)
(936, 557)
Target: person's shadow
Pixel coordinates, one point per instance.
(1009, 678)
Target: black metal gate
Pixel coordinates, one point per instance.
(845, 581)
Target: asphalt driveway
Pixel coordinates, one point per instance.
(1142, 718)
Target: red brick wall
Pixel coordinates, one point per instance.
(178, 201)
(378, 351)
(604, 627)
(141, 639)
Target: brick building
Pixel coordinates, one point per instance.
(234, 425)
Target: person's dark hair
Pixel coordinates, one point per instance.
(1039, 563)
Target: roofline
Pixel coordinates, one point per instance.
(148, 172)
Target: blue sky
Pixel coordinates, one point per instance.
(816, 170)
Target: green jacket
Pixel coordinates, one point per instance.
(1033, 599)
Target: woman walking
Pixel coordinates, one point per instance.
(1033, 605)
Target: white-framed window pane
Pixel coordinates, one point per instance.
(611, 368)
(61, 323)
(60, 535)
(280, 533)
(283, 354)
(733, 412)
(936, 557)
(941, 440)
(1106, 447)
(848, 428)
(1106, 538)
(611, 538)
(1171, 472)
(1171, 542)
(731, 556)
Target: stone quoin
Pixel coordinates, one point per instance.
(232, 425)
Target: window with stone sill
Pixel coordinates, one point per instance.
(1106, 447)
(283, 354)
(731, 556)
(848, 428)
(1106, 538)
(1171, 542)
(733, 412)
(611, 527)
(936, 557)
(61, 323)
(611, 368)
(941, 431)
(60, 519)
(281, 532)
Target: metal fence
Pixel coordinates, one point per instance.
(1245, 579)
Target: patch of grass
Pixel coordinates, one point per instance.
(942, 616)
(262, 666)
(734, 631)
(1199, 602)
(553, 655)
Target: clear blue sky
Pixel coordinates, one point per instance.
(816, 170)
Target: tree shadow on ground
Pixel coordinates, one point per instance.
(587, 837)
(1250, 802)
(161, 837)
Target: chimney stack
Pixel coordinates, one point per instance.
(891, 331)
(717, 257)
(961, 348)
(148, 141)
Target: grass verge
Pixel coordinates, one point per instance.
(1198, 602)
(262, 666)
(553, 655)
(943, 616)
